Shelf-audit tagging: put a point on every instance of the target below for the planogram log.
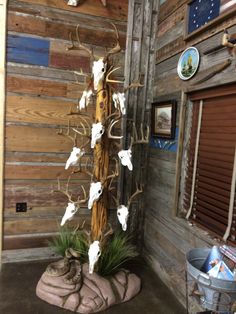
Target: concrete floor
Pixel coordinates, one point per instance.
(18, 282)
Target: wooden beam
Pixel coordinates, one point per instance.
(3, 11)
(179, 153)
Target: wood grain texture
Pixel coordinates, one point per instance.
(3, 21)
(28, 109)
(28, 50)
(55, 29)
(169, 7)
(114, 10)
(21, 138)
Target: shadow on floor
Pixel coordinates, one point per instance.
(18, 282)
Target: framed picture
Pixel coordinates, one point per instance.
(188, 63)
(163, 119)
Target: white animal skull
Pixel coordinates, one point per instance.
(123, 215)
(75, 155)
(97, 132)
(71, 209)
(119, 102)
(99, 69)
(94, 253)
(125, 158)
(85, 99)
(73, 3)
(94, 193)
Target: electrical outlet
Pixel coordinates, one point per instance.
(21, 207)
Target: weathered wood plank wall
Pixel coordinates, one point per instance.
(167, 238)
(41, 90)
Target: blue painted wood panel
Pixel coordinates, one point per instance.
(165, 144)
(28, 50)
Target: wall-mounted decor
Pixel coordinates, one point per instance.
(188, 63)
(163, 119)
(200, 12)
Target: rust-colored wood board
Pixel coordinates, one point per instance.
(63, 16)
(55, 29)
(65, 61)
(19, 84)
(169, 7)
(39, 196)
(116, 10)
(34, 139)
(171, 21)
(24, 85)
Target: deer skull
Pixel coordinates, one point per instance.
(71, 209)
(75, 155)
(85, 99)
(119, 102)
(97, 132)
(99, 69)
(73, 3)
(123, 215)
(94, 253)
(125, 158)
(94, 193)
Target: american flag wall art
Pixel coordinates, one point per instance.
(201, 12)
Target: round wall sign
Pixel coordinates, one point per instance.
(188, 63)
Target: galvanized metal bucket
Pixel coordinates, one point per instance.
(217, 294)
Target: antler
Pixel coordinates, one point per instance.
(67, 134)
(117, 137)
(108, 80)
(138, 191)
(85, 170)
(80, 46)
(117, 47)
(144, 138)
(133, 85)
(85, 126)
(69, 196)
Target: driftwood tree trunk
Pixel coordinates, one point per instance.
(101, 162)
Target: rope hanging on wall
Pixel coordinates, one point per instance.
(195, 159)
(231, 203)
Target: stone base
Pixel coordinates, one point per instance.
(91, 294)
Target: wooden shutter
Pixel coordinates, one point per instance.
(214, 164)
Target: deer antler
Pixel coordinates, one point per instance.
(108, 80)
(85, 126)
(117, 47)
(69, 196)
(117, 137)
(79, 227)
(138, 191)
(80, 46)
(133, 85)
(85, 170)
(144, 138)
(67, 134)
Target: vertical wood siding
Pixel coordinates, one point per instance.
(41, 90)
(168, 238)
